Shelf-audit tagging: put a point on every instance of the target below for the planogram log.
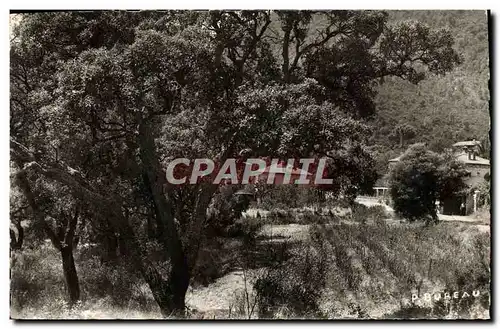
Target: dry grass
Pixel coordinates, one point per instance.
(108, 290)
(372, 269)
(483, 215)
(377, 268)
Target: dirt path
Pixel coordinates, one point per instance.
(370, 202)
(293, 232)
(466, 219)
(224, 296)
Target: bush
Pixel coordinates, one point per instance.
(380, 266)
(225, 209)
(298, 216)
(36, 277)
(361, 213)
(281, 217)
(293, 287)
(290, 196)
(313, 218)
(245, 228)
(114, 281)
(38, 288)
(420, 178)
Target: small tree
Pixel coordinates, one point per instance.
(451, 177)
(403, 132)
(421, 178)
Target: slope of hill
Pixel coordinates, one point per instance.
(442, 109)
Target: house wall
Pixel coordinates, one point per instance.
(477, 174)
(452, 206)
(392, 164)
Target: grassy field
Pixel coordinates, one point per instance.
(346, 268)
(381, 269)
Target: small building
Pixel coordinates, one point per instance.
(392, 162)
(478, 169)
(381, 187)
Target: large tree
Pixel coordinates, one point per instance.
(102, 101)
(421, 178)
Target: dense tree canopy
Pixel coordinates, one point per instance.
(441, 109)
(421, 178)
(102, 101)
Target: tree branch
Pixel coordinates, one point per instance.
(23, 183)
(66, 176)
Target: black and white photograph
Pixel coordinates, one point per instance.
(250, 165)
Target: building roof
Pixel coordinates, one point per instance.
(396, 159)
(467, 143)
(243, 192)
(464, 157)
(382, 181)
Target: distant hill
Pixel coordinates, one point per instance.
(442, 109)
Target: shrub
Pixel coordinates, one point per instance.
(36, 277)
(281, 217)
(38, 289)
(361, 213)
(245, 228)
(290, 196)
(225, 209)
(313, 218)
(218, 254)
(420, 178)
(115, 281)
(294, 286)
(210, 265)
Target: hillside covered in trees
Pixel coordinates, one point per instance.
(440, 110)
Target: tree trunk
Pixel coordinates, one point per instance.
(70, 275)
(17, 243)
(13, 240)
(284, 53)
(122, 246)
(149, 228)
(194, 232)
(62, 243)
(172, 293)
(169, 293)
(110, 242)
